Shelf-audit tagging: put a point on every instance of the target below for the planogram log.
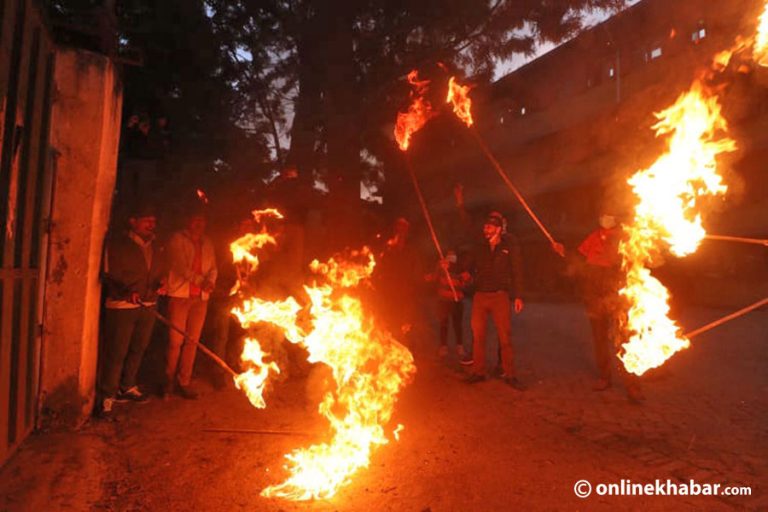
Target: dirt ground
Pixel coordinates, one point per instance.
(481, 447)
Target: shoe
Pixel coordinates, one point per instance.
(442, 352)
(601, 385)
(515, 384)
(466, 360)
(132, 394)
(106, 405)
(475, 378)
(187, 393)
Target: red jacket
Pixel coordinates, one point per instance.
(601, 247)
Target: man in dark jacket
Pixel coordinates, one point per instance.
(132, 278)
(498, 287)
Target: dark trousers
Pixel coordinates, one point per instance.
(226, 344)
(451, 312)
(126, 335)
(605, 350)
(498, 306)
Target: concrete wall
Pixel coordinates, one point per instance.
(85, 132)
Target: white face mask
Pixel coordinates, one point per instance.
(607, 221)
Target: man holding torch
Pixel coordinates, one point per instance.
(601, 281)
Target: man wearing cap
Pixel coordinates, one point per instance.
(133, 270)
(191, 280)
(498, 287)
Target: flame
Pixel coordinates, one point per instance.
(419, 112)
(462, 104)
(368, 365)
(254, 379)
(267, 212)
(668, 215)
(760, 51)
(345, 274)
(243, 248)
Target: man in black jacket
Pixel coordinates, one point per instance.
(133, 272)
(498, 287)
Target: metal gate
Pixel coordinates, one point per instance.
(26, 73)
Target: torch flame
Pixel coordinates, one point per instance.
(368, 365)
(761, 39)
(267, 212)
(419, 112)
(668, 215)
(462, 104)
(243, 248)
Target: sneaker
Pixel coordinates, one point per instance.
(475, 378)
(106, 405)
(515, 384)
(187, 393)
(132, 394)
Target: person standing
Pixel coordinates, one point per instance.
(132, 277)
(498, 288)
(450, 307)
(191, 279)
(601, 281)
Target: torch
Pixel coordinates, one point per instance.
(458, 95)
(205, 350)
(409, 122)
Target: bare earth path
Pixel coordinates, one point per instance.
(482, 447)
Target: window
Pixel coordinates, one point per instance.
(698, 35)
(611, 72)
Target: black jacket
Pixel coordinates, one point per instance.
(125, 269)
(500, 269)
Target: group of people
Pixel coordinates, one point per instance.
(491, 271)
(136, 272)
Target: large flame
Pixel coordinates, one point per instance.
(419, 112)
(368, 365)
(458, 95)
(761, 39)
(668, 216)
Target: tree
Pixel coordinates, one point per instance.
(345, 60)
